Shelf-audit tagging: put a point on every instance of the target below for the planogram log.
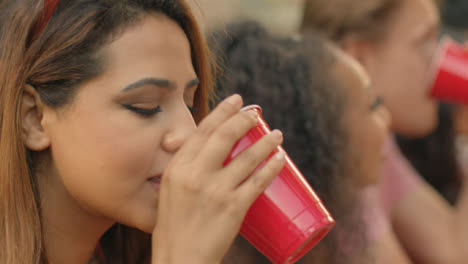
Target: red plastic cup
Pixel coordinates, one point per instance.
(287, 219)
(449, 72)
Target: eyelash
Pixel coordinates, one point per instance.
(377, 102)
(153, 111)
(144, 112)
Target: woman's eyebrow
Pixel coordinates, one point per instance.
(162, 83)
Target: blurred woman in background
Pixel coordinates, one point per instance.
(395, 40)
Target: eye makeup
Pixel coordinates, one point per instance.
(153, 111)
(142, 111)
(145, 96)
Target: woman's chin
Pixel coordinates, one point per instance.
(146, 225)
(418, 129)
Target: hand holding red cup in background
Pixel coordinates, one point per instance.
(287, 219)
(449, 72)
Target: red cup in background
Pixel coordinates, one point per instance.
(449, 72)
(288, 218)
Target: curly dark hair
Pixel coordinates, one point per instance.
(293, 81)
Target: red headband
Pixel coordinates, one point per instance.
(49, 6)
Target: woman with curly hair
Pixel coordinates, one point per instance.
(334, 125)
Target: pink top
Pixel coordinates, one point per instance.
(398, 176)
(374, 216)
(397, 180)
(373, 219)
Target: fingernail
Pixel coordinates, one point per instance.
(235, 100)
(277, 134)
(253, 114)
(280, 155)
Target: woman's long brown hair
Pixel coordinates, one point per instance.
(55, 62)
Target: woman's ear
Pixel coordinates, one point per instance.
(34, 135)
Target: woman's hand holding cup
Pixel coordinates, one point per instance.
(201, 203)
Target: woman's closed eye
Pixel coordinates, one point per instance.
(149, 112)
(144, 112)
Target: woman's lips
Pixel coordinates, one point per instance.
(156, 182)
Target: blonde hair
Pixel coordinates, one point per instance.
(337, 18)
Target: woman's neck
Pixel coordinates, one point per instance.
(71, 233)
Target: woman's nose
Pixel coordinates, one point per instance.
(182, 127)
